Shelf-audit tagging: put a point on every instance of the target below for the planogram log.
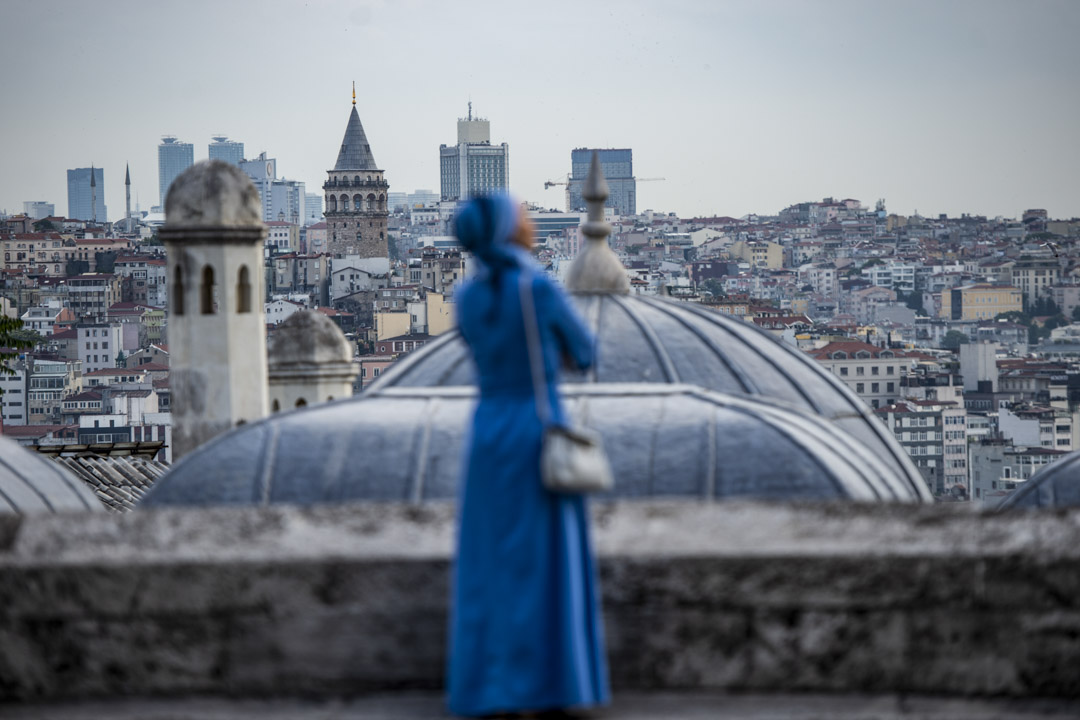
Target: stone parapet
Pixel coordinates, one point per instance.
(341, 599)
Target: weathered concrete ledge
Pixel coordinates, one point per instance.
(339, 600)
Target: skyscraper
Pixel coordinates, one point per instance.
(618, 168)
(312, 208)
(225, 149)
(82, 197)
(474, 166)
(173, 158)
(356, 215)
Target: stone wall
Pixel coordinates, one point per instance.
(338, 600)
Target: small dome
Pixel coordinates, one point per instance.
(1056, 485)
(30, 483)
(212, 194)
(307, 337)
(664, 440)
(650, 340)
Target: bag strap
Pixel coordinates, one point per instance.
(532, 341)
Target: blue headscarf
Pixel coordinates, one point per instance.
(483, 227)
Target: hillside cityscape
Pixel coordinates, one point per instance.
(962, 333)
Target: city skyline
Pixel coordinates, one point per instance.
(743, 108)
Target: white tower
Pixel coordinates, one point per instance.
(217, 325)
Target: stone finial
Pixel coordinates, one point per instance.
(310, 361)
(212, 194)
(596, 269)
(308, 338)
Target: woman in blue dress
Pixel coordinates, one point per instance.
(525, 626)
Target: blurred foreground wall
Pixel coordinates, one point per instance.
(331, 600)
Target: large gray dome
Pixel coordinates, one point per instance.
(30, 483)
(647, 340)
(1056, 485)
(405, 444)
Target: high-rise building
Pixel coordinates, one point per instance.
(312, 208)
(86, 189)
(225, 149)
(474, 166)
(263, 172)
(287, 198)
(356, 215)
(174, 157)
(38, 209)
(618, 168)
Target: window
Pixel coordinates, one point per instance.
(843, 371)
(178, 292)
(859, 387)
(890, 387)
(874, 387)
(860, 370)
(874, 370)
(243, 291)
(206, 291)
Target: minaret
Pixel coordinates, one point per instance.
(127, 197)
(93, 196)
(214, 237)
(356, 215)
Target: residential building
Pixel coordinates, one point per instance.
(1035, 277)
(473, 166)
(51, 382)
(13, 402)
(227, 150)
(1034, 425)
(99, 345)
(759, 253)
(873, 373)
(282, 237)
(174, 157)
(440, 270)
(933, 433)
(86, 194)
(979, 302)
(999, 467)
(44, 319)
(617, 165)
(91, 295)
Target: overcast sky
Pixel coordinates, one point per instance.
(937, 106)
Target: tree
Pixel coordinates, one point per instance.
(120, 359)
(12, 339)
(714, 287)
(954, 339)
(1076, 313)
(44, 226)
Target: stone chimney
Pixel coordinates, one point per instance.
(311, 362)
(217, 325)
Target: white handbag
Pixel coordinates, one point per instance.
(572, 460)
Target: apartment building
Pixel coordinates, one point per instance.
(873, 373)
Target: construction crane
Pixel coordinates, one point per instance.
(552, 183)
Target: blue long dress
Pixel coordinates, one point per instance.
(525, 625)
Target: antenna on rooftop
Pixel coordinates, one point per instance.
(354, 93)
(470, 109)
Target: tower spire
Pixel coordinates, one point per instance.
(93, 195)
(354, 93)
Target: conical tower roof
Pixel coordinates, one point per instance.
(355, 152)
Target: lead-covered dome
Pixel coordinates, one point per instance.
(405, 444)
(30, 483)
(650, 340)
